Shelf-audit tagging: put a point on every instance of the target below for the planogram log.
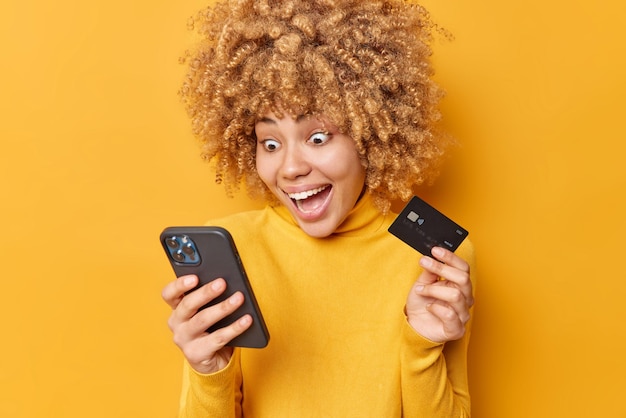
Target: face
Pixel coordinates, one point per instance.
(312, 169)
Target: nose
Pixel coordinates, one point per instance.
(294, 163)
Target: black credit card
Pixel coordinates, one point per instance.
(424, 227)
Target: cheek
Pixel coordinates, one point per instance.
(264, 170)
(353, 172)
(358, 181)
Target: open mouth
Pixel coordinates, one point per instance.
(311, 200)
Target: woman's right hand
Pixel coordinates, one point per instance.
(205, 352)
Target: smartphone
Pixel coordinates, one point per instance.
(210, 253)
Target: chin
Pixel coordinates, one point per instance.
(317, 231)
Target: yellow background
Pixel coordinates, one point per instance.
(96, 158)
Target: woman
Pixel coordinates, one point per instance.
(326, 110)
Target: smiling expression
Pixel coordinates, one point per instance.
(312, 168)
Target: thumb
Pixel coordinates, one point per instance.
(427, 277)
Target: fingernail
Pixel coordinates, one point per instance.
(216, 284)
(235, 299)
(420, 287)
(426, 262)
(188, 281)
(437, 252)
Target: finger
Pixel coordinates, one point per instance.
(223, 336)
(426, 276)
(192, 302)
(451, 297)
(195, 327)
(174, 292)
(451, 259)
(457, 273)
(453, 327)
(444, 271)
(208, 317)
(204, 353)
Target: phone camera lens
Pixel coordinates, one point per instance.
(189, 250)
(171, 242)
(178, 256)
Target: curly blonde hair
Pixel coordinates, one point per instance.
(364, 64)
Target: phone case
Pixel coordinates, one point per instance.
(210, 253)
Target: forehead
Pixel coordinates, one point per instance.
(271, 124)
(287, 118)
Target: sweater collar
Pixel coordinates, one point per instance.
(364, 218)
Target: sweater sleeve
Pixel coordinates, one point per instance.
(212, 395)
(434, 375)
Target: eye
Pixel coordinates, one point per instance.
(270, 145)
(319, 138)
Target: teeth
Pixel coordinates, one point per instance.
(308, 193)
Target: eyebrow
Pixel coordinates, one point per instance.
(271, 121)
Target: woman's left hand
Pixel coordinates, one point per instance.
(438, 305)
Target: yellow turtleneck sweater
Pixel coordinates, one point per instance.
(340, 344)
